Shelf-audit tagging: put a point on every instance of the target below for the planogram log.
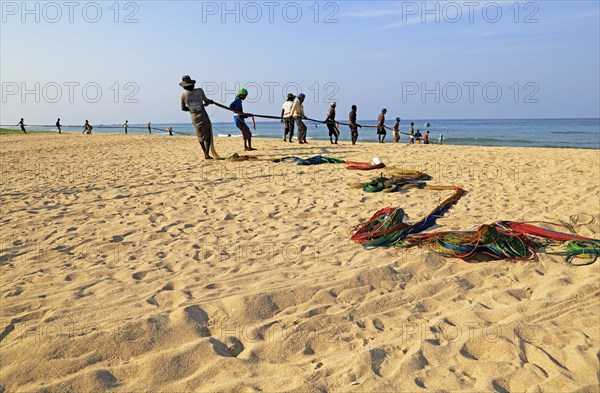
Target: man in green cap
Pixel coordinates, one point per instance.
(236, 105)
(193, 101)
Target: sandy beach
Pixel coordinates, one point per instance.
(128, 263)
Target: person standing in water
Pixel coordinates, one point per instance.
(126, 126)
(149, 128)
(236, 105)
(426, 138)
(381, 126)
(194, 101)
(418, 136)
(58, 125)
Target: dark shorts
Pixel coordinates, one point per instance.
(202, 125)
(246, 134)
(354, 131)
(381, 131)
(332, 130)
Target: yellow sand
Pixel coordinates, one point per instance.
(129, 263)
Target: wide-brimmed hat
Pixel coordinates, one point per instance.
(186, 81)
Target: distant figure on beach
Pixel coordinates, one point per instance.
(240, 123)
(298, 115)
(397, 130)
(58, 125)
(332, 124)
(286, 117)
(381, 133)
(411, 134)
(353, 126)
(22, 124)
(441, 139)
(87, 128)
(418, 136)
(426, 138)
(170, 129)
(194, 101)
(126, 125)
(149, 128)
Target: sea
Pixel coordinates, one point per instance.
(571, 133)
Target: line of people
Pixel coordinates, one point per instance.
(87, 127)
(194, 100)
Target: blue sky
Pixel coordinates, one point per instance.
(531, 60)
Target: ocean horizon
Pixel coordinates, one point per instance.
(582, 133)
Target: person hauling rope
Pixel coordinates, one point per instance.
(397, 130)
(353, 126)
(236, 105)
(286, 117)
(298, 114)
(332, 124)
(194, 100)
(381, 126)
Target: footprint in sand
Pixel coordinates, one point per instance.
(106, 379)
(378, 324)
(139, 275)
(199, 318)
(232, 348)
(378, 355)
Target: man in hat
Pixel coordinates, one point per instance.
(236, 105)
(332, 124)
(381, 126)
(194, 101)
(353, 126)
(286, 117)
(298, 114)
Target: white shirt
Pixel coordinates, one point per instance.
(287, 109)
